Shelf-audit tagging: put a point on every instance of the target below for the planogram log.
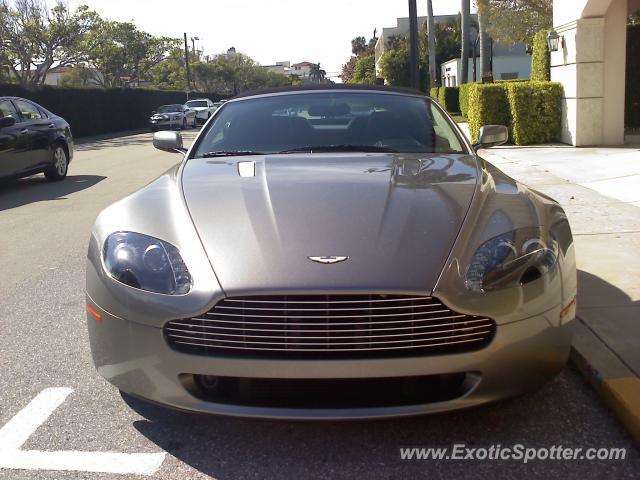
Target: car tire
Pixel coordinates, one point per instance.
(60, 164)
(184, 124)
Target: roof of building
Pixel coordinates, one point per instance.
(60, 70)
(303, 64)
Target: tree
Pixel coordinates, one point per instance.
(365, 70)
(395, 65)
(358, 46)
(431, 45)
(232, 74)
(316, 73)
(512, 21)
(121, 51)
(347, 69)
(35, 38)
(484, 46)
(79, 76)
(464, 29)
(447, 39)
(541, 57)
(171, 73)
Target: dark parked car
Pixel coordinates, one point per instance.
(33, 140)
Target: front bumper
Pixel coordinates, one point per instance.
(164, 123)
(137, 360)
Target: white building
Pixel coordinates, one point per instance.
(590, 63)
(56, 75)
(402, 28)
(507, 63)
(302, 69)
(283, 68)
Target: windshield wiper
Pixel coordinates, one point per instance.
(340, 148)
(230, 153)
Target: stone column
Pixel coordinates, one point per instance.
(590, 63)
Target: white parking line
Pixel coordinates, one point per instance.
(18, 430)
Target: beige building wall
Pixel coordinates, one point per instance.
(590, 63)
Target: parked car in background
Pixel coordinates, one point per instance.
(172, 116)
(204, 108)
(33, 140)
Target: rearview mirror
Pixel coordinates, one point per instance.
(492, 136)
(7, 121)
(168, 142)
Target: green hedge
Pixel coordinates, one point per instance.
(632, 98)
(531, 110)
(540, 58)
(448, 97)
(433, 92)
(536, 111)
(488, 105)
(463, 98)
(92, 111)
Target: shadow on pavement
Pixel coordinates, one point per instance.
(33, 189)
(141, 139)
(594, 291)
(129, 141)
(231, 448)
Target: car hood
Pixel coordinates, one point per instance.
(396, 216)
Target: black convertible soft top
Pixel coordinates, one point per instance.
(335, 86)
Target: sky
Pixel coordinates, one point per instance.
(267, 30)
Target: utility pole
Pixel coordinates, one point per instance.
(413, 38)
(186, 61)
(193, 45)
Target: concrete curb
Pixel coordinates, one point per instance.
(612, 380)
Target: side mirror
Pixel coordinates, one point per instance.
(492, 136)
(7, 121)
(168, 142)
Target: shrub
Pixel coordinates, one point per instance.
(364, 71)
(93, 111)
(536, 111)
(448, 97)
(540, 58)
(487, 106)
(434, 92)
(463, 98)
(632, 98)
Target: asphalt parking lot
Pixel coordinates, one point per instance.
(44, 233)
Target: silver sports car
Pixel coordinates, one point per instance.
(331, 253)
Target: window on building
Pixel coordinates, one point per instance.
(508, 75)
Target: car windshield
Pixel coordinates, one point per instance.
(330, 122)
(197, 103)
(170, 108)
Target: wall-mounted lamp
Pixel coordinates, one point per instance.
(553, 40)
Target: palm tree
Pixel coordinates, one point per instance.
(464, 53)
(316, 73)
(484, 46)
(431, 44)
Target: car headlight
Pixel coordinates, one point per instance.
(512, 258)
(147, 263)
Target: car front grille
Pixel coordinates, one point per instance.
(327, 326)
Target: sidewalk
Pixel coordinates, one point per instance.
(599, 188)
